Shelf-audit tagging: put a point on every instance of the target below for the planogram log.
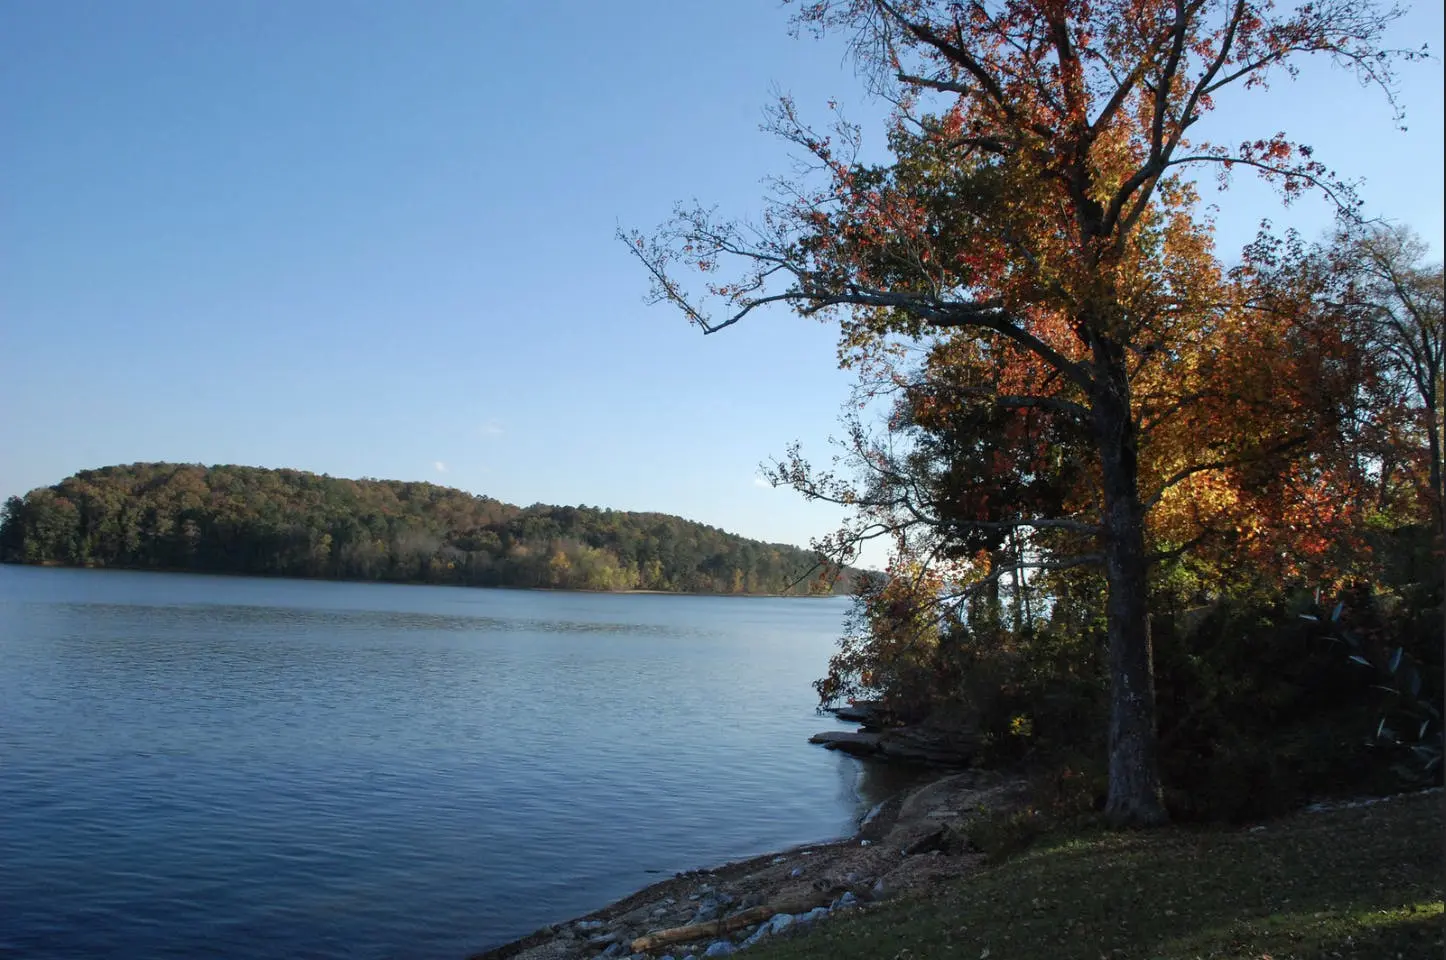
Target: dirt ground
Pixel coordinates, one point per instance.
(902, 845)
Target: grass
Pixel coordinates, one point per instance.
(1355, 883)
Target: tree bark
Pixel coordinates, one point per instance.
(1438, 493)
(1134, 778)
(1433, 446)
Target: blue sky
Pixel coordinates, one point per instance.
(376, 239)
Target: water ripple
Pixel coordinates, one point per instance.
(197, 766)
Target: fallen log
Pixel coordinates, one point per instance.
(726, 925)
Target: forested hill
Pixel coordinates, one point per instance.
(289, 523)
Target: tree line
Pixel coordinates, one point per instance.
(290, 523)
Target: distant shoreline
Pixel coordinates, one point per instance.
(57, 565)
(298, 525)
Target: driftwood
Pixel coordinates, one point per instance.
(725, 925)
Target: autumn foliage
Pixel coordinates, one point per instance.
(1075, 380)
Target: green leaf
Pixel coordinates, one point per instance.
(1396, 659)
(1360, 659)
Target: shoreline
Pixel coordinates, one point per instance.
(904, 843)
(58, 565)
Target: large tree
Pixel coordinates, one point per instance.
(1402, 304)
(1038, 213)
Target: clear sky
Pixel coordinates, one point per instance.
(376, 239)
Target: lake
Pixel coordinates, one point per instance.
(199, 766)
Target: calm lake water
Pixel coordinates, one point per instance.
(198, 766)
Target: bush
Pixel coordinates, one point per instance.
(1262, 705)
(1266, 697)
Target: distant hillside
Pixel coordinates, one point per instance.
(289, 523)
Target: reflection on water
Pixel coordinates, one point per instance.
(251, 768)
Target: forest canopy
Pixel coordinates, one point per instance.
(290, 523)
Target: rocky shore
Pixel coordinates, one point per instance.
(919, 744)
(908, 842)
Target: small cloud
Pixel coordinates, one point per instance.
(441, 467)
(762, 483)
(491, 429)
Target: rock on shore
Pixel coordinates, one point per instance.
(930, 746)
(912, 840)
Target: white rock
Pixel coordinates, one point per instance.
(720, 948)
(708, 909)
(780, 923)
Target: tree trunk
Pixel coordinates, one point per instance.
(1433, 445)
(1438, 493)
(1134, 777)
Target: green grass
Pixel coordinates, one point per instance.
(1357, 883)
